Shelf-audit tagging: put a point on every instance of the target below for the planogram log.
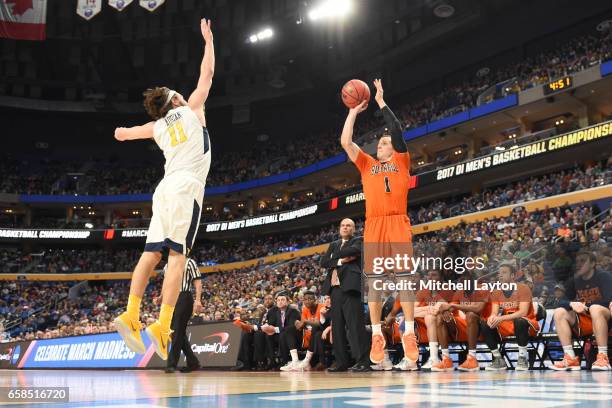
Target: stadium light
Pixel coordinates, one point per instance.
(331, 8)
(262, 35)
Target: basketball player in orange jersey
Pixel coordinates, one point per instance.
(427, 302)
(179, 129)
(459, 322)
(385, 183)
(512, 314)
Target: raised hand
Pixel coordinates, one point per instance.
(360, 108)
(379, 93)
(206, 31)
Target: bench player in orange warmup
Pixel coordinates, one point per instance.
(459, 322)
(387, 227)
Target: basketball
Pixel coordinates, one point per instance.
(354, 92)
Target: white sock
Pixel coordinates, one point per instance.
(433, 351)
(445, 353)
(602, 350)
(522, 351)
(294, 355)
(409, 327)
(386, 355)
(376, 329)
(569, 350)
(472, 353)
(308, 356)
(496, 353)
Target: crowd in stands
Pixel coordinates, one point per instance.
(89, 260)
(104, 177)
(573, 56)
(240, 292)
(97, 260)
(577, 178)
(12, 260)
(45, 310)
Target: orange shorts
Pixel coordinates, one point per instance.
(420, 329)
(506, 328)
(583, 325)
(386, 237)
(390, 228)
(460, 334)
(458, 329)
(306, 339)
(396, 336)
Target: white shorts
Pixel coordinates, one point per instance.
(177, 204)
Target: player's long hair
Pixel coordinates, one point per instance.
(155, 102)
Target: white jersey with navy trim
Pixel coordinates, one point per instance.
(184, 142)
(177, 200)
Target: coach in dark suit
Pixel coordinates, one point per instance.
(252, 352)
(281, 323)
(343, 284)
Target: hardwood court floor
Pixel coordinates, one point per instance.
(320, 389)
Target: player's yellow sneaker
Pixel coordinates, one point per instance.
(159, 339)
(129, 330)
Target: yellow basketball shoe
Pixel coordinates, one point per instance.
(129, 330)
(159, 339)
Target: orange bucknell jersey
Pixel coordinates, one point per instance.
(385, 185)
(308, 315)
(511, 304)
(462, 298)
(426, 297)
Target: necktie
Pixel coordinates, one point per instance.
(335, 281)
(282, 318)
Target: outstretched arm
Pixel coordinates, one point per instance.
(393, 124)
(346, 139)
(135, 132)
(207, 69)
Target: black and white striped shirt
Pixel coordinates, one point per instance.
(191, 273)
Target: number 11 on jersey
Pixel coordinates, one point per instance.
(181, 134)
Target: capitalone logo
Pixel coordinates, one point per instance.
(7, 356)
(12, 355)
(218, 347)
(16, 354)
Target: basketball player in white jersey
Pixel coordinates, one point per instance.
(179, 129)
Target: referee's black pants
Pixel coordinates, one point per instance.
(180, 318)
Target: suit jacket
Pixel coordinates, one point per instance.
(263, 319)
(291, 316)
(349, 274)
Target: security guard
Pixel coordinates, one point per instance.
(185, 308)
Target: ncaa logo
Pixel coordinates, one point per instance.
(16, 354)
(120, 4)
(152, 4)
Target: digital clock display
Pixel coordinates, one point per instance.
(558, 85)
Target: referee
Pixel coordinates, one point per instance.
(185, 308)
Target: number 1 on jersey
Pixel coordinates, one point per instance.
(181, 133)
(387, 185)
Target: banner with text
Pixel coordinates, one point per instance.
(215, 344)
